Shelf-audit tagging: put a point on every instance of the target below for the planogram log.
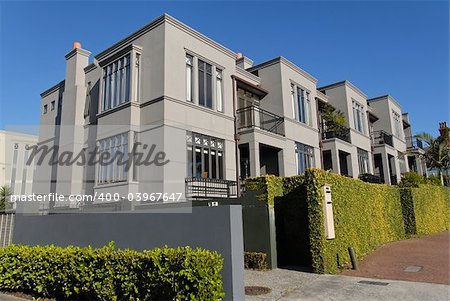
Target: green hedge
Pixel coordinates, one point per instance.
(365, 217)
(268, 186)
(109, 274)
(431, 208)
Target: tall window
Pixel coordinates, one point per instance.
(45, 109)
(114, 151)
(363, 161)
(204, 84)
(301, 105)
(397, 124)
(304, 158)
(294, 111)
(205, 156)
(219, 90)
(358, 117)
(189, 77)
(116, 83)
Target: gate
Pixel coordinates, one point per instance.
(6, 228)
(292, 230)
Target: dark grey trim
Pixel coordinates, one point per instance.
(332, 85)
(90, 67)
(155, 23)
(285, 61)
(53, 89)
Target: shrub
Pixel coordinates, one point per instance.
(105, 273)
(431, 206)
(412, 179)
(268, 187)
(365, 217)
(255, 261)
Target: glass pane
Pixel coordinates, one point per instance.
(198, 162)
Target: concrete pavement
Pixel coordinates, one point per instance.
(292, 285)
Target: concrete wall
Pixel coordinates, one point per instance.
(212, 228)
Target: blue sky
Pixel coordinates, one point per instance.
(400, 48)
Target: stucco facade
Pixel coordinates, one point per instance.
(216, 116)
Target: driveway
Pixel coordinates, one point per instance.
(425, 259)
(292, 285)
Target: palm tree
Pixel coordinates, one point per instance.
(5, 192)
(437, 153)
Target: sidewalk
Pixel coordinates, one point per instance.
(291, 285)
(425, 259)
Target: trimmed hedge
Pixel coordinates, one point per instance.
(108, 274)
(431, 206)
(255, 261)
(269, 187)
(365, 217)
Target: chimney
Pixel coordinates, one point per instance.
(243, 61)
(71, 134)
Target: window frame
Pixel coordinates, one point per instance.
(205, 145)
(113, 173)
(304, 154)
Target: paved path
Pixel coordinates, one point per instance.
(426, 259)
(291, 285)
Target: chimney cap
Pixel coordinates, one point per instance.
(239, 55)
(76, 45)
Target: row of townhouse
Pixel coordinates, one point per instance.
(217, 117)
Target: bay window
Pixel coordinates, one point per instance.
(205, 156)
(113, 154)
(116, 83)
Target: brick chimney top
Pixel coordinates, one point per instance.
(76, 45)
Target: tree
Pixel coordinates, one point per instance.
(437, 152)
(334, 120)
(5, 192)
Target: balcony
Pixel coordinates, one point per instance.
(254, 117)
(382, 138)
(414, 143)
(331, 130)
(206, 188)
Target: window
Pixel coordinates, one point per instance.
(116, 83)
(205, 156)
(397, 124)
(304, 157)
(219, 90)
(52, 105)
(24, 169)
(113, 153)
(45, 109)
(363, 161)
(189, 77)
(301, 105)
(358, 117)
(294, 111)
(204, 84)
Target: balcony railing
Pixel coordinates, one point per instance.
(413, 142)
(206, 188)
(255, 117)
(382, 138)
(332, 130)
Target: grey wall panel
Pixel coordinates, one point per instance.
(212, 228)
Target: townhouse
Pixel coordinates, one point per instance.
(215, 117)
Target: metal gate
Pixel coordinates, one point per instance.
(6, 228)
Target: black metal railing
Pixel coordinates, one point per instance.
(332, 130)
(370, 178)
(206, 188)
(255, 117)
(413, 142)
(381, 138)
